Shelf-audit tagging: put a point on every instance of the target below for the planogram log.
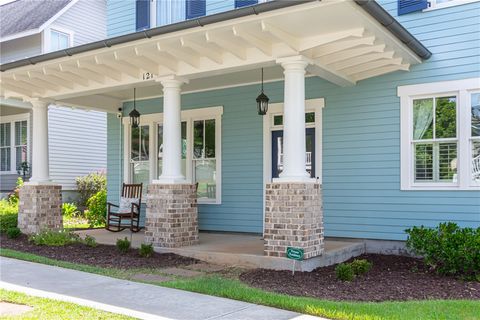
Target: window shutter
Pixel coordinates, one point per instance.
(142, 14)
(195, 9)
(245, 3)
(407, 6)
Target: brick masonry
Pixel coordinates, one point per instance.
(293, 218)
(172, 215)
(40, 208)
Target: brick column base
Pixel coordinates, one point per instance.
(40, 208)
(293, 218)
(172, 217)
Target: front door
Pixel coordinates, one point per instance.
(277, 152)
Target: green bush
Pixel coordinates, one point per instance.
(90, 241)
(146, 250)
(8, 215)
(361, 266)
(344, 272)
(70, 210)
(90, 185)
(13, 233)
(15, 195)
(97, 209)
(53, 238)
(448, 249)
(123, 245)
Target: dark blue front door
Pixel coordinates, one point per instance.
(277, 152)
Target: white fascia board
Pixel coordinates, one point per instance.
(15, 103)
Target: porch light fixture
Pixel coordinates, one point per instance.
(262, 101)
(134, 114)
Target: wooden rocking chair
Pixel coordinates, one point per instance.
(118, 221)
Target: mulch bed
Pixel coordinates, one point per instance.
(100, 256)
(392, 278)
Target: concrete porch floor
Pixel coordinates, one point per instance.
(244, 250)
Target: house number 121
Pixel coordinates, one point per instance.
(148, 76)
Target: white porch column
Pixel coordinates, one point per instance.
(294, 144)
(172, 131)
(40, 161)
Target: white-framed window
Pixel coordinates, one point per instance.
(440, 135)
(14, 146)
(440, 4)
(59, 40)
(201, 151)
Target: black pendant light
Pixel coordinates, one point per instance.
(262, 101)
(134, 114)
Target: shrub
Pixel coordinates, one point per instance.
(90, 185)
(361, 266)
(448, 249)
(13, 233)
(70, 210)
(14, 196)
(97, 209)
(344, 272)
(123, 245)
(54, 238)
(8, 215)
(146, 250)
(90, 241)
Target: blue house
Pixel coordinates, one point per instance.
(372, 126)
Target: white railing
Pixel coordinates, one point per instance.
(308, 159)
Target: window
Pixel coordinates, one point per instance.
(440, 135)
(439, 4)
(142, 14)
(195, 9)
(59, 40)
(245, 3)
(13, 143)
(278, 119)
(201, 151)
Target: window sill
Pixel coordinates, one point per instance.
(208, 202)
(440, 187)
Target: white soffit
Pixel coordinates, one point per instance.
(343, 42)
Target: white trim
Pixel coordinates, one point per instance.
(188, 116)
(12, 119)
(30, 32)
(462, 89)
(434, 6)
(47, 37)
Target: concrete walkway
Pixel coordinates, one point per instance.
(134, 299)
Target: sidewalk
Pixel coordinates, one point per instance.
(134, 299)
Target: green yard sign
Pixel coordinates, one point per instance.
(295, 253)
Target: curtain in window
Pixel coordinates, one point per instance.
(422, 119)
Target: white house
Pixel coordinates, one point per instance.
(30, 28)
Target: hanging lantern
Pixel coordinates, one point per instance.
(134, 114)
(262, 101)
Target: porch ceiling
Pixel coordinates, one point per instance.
(345, 45)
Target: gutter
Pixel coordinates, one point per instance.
(370, 6)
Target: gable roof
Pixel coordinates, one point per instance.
(28, 15)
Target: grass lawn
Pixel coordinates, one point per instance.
(231, 288)
(53, 309)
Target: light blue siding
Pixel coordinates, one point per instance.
(217, 6)
(120, 17)
(361, 147)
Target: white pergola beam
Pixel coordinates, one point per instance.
(330, 75)
(323, 39)
(348, 54)
(93, 102)
(153, 55)
(189, 59)
(20, 90)
(380, 71)
(66, 76)
(114, 62)
(372, 65)
(261, 45)
(85, 73)
(51, 79)
(203, 50)
(281, 35)
(342, 45)
(103, 69)
(361, 59)
(39, 83)
(235, 49)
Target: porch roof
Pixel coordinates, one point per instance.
(345, 41)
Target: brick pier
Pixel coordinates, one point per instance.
(293, 218)
(172, 216)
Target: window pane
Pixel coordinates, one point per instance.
(476, 160)
(160, 148)
(310, 117)
(446, 117)
(423, 162)
(21, 156)
(209, 138)
(423, 119)
(5, 159)
(184, 148)
(63, 41)
(141, 173)
(4, 134)
(447, 161)
(54, 39)
(278, 120)
(20, 133)
(476, 115)
(198, 151)
(205, 176)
